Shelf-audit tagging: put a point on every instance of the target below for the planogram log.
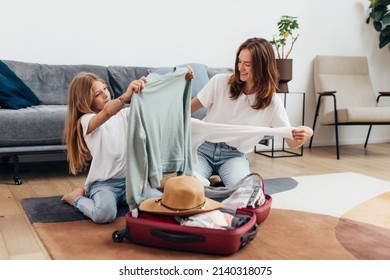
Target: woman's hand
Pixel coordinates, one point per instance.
(300, 135)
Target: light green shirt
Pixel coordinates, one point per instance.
(159, 135)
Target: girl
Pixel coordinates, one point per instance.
(96, 132)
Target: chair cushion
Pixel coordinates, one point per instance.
(359, 115)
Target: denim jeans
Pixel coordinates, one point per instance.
(102, 197)
(219, 158)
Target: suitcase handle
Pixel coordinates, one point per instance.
(177, 238)
(248, 236)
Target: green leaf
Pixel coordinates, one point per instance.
(382, 2)
(386, 19)
(385, 32)
(376, 15)
(378, 26)
(383, 41)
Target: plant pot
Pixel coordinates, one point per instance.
(285, 73)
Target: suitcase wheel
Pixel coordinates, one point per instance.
(118, 235)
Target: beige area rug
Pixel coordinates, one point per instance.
(324, 217)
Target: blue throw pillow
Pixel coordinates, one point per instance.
(14, 93)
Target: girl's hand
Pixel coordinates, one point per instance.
(190, 75)
(135, 86)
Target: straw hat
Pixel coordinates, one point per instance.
(183, 195)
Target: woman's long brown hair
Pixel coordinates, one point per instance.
(79, 103)
(265, 72)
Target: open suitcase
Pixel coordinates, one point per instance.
(162, 232)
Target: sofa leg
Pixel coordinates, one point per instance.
(17, 179)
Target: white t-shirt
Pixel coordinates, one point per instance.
(215, 96)
(107, 145)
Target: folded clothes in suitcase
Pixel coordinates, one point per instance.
(234, 201)
(159, 221)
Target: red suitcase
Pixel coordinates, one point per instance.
(161, 231)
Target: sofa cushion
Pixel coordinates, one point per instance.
(36, 125)
(121, 76)
(14, 93)
(50, 83)
(218, 70)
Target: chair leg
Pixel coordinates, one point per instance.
(17, 179)
(336, 127)
(315, 120)
(368, 135)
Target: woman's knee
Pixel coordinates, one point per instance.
(104, 215)
(233, 170)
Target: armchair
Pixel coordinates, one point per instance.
(346, 95)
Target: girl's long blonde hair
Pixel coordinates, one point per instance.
(265, 72)
(79, 103)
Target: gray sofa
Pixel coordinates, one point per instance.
(39, 128)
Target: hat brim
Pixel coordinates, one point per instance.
(153, 205)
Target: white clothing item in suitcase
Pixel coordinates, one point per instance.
(159, 135)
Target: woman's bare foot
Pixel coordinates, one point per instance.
(71, 197)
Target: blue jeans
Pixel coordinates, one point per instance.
(219, 158)
(102, 197)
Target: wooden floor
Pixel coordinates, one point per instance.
(17, 239)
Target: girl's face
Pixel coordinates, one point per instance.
(245, 66)
(100, 95)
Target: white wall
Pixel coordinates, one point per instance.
(162, 33)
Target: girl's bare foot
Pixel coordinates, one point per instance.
(71, 197)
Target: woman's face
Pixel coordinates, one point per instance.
(245, 65)
(100, 95)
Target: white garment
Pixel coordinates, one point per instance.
(212, 219)
(221, 109)
(242, 137)
(107, 145)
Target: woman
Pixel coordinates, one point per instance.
(246, 97)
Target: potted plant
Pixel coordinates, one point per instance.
(283, 44)
(380, 14)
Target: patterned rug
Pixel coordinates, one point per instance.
(337, 216)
